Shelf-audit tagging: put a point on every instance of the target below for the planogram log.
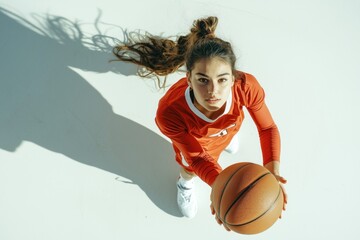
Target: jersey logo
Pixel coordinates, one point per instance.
(223, 132)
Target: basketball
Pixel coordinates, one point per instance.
(247, 198)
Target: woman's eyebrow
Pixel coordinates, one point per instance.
(204, 75)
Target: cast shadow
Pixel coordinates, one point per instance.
(45, 102)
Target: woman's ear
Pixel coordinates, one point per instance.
(188, 76)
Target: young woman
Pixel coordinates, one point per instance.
(202, 112)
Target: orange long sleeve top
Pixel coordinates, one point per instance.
(198, 141)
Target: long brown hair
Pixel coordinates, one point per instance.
(162, 56)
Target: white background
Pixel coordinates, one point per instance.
(81, 156)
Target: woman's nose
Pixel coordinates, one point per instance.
(212, 88)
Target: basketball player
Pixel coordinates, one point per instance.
(202, 113)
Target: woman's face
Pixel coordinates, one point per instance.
(211, 81)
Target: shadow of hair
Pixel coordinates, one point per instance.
(49, 104)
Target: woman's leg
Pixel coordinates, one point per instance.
(186, 174)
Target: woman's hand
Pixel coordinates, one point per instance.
(273, 167)
(214, 213)
(217, 218)
(282, 181)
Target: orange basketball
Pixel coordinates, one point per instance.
(247, 198)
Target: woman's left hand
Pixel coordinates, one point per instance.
(282, 181)
(273, 167)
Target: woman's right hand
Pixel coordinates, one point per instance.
(217, 218)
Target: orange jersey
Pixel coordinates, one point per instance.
(200, 140)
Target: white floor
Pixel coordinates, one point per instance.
(81, 156)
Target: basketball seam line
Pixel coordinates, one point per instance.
(271, 206)
(246, 189)
(224, 188)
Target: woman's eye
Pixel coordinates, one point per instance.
(221, 80)
(203, 80)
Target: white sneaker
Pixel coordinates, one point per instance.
(186, 198)
(233, 146)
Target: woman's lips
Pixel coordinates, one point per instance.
(212, 100)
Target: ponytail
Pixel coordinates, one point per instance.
(163, 56)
